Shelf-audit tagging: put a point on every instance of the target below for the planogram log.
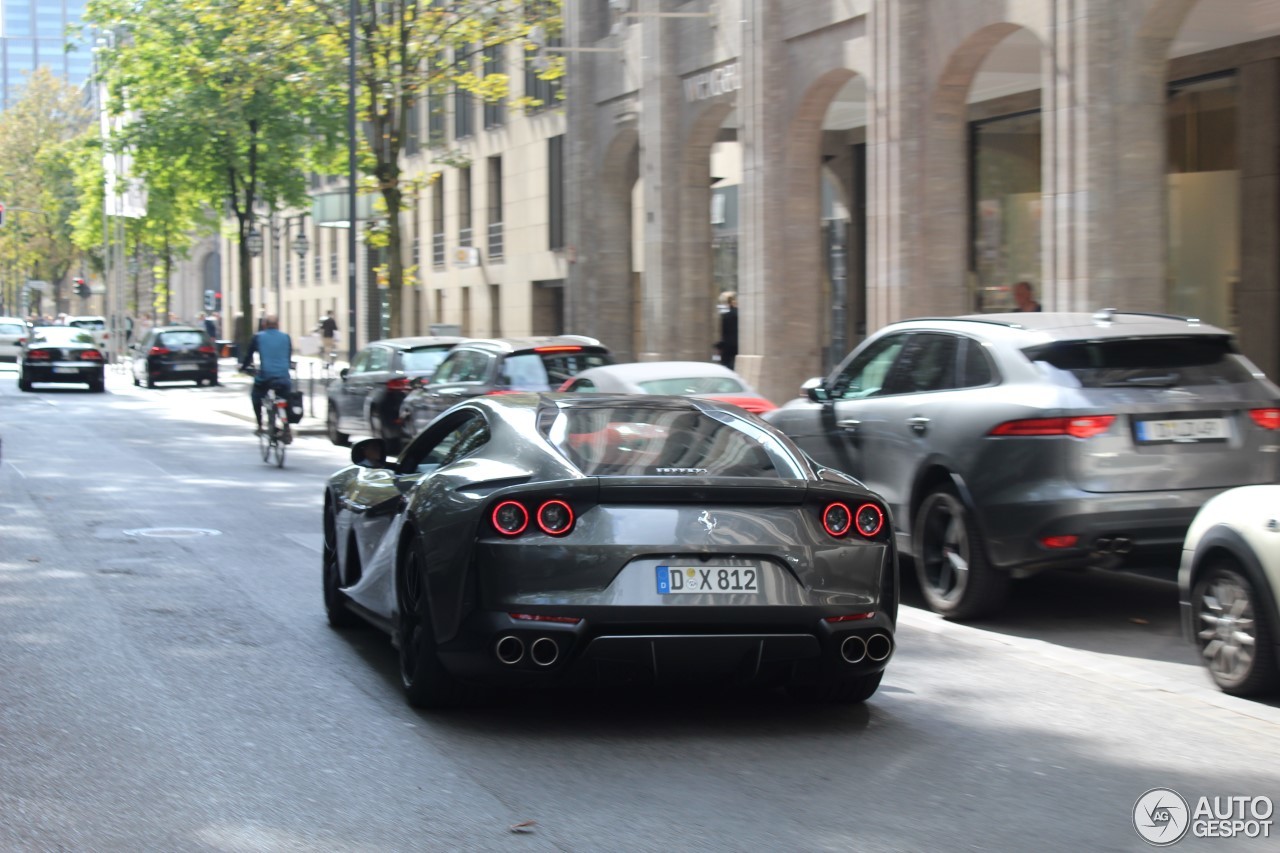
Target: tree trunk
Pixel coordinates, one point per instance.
(244, 320)
(395, 260)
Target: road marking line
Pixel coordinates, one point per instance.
(17, 470)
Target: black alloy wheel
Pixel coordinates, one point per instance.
(427, 684)
(1234, 632)
(335, 435)
(339, 616)
(957, 579)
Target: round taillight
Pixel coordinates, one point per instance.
(870, 519)
(555, 518)
(510, 518)
(837, 519)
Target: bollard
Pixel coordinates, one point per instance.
(311, 386)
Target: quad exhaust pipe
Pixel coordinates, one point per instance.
(853, 649)
(544, 651)
(879, 647)
(510, 650)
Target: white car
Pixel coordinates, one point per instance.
(96, 326)
(13, 334)
(1229, 589)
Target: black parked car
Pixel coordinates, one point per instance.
(174, 354)
(368, 397)
(61, 354)
(500, 366)
(540, 540)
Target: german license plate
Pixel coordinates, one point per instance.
(675, 580)
(66, 370)
(1182, 430)
(186, 367)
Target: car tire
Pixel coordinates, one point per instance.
(151, 383)
(136, 383)
(339, 438)
(845, 691)
(23, 384)
(1230, 616)
(98, 386)
(426, 683)
(955, 575)
(340, 618)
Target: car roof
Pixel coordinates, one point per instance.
(1044, 327)
(646, 370)
(13, 320)
(415, 342)
(511, 345)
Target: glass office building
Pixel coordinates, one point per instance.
(35, 33)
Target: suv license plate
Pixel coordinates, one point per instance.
(1183, 430)
(674, 580)
(186, 367)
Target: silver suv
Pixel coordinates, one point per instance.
(1005, 444)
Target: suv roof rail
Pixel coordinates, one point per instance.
(1107, 315)
(582, 339)
(1008, 324)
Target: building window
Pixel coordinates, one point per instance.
(466, 312)
(495, 311)
(413, 128)
(495, 112)
(1204, 199)
(541, 93)
(495, 208)
(463, 104)
(464, 206)
(1007, 205)
(435, 119)
(416, 250)
(555, 192)
(437, 221)
(318, 265)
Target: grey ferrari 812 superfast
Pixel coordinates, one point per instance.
(526, 540)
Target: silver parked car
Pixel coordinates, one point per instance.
(1005, 444)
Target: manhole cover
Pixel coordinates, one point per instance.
(172, 532)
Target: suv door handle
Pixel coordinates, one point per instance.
(849, 425)
(919, 425)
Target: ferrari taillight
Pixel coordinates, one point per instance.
(555, 517)
(510, 518)
(869, 519)
(837, 519)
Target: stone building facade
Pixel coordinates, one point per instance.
(917, 157)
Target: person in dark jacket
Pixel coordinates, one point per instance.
(727, 346)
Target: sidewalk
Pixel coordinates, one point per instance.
(310, 378)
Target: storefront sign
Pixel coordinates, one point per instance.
(713, 83)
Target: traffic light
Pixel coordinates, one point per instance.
(82, 289)
(208, 300)
(217, 301)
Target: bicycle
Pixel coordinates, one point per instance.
(275, 436)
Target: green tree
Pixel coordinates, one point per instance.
(228, 102)
(37, 135)
(410, 53)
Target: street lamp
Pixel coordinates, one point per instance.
(301, 244)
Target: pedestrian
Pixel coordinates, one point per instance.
(211, 325)
(328, 336)
(727, 346)
(1022, 298)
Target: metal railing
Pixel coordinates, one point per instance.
(495, 241)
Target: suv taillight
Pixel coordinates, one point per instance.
(401, 384)
(39, 355)
(1266, 418)
(1082, 427)
(91, 355)
(157, 351)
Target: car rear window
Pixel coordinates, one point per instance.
(60, 335)
(1145, 362)
(181, 340)
(92, 325)
(543, 371)
(630, 441)
(693, 385)
(424, 360)
(11, 329)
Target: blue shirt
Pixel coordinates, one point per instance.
(274, 350)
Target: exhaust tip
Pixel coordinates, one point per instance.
(879, 647)
(509, 650)
(853, 649)
(1122, 545)
(544, 651)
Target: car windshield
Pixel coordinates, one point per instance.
(181, 340)
(60, 335)
(92, 325)
(424, 360)
(611, 440)
(1144, 362)
(543, 371)
(693, 385)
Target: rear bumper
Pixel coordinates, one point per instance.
(75, 373)
(161, 372)
(1140, 531)
(626, 648)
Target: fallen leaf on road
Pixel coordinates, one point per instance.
(1138, 620)
(524, 826)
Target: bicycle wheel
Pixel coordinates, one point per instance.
(264, 437)
(278, 447)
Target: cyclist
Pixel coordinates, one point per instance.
(275, 352)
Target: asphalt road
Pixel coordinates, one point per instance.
(167, 690)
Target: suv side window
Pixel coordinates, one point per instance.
(928, 363)
(471, 367)
(866, 374)
(976, 369)
(379, 359)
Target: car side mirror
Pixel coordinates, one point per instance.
(815, 390)
(342, 374)
(370, 453)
